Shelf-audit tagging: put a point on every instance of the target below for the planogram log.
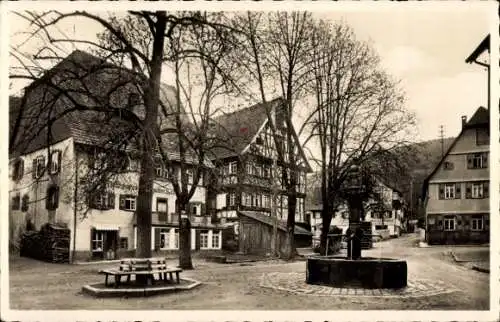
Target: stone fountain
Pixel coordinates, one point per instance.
(355, 270)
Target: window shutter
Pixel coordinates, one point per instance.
(111, 200)
(227, 200)
(43, 166)
(458, 191)
(485, 160)
(59, 155)
(56, 197)
(34, 169)
(469, 161)
(47, 200)
(122, 202)
(20, 170)
(468, 190)
(157, 237)
(203, 209)
(486, 189)
(441, 191)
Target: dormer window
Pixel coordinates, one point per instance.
(259, 141)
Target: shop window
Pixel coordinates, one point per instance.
(97, 241)
(449, 224)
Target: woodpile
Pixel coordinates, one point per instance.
(50, 244)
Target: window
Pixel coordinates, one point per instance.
(164, 238)
(16, 202)
(258, 170)
(232, 199)
(55, 162)
(259, 141)
(127, 202)
(97, 241)
(176, 238)
(38, 167)
(266, 201)
(52, 198)
(449, 191)
(103, 200)
(233, 166)
(448, 165)
(123, 242)
(266, 171)
(257, 201)
(204, 239)
(477, 223)
(215, 239)
(477, 161)
(477, 190)
(195, 209)
(247, 199)
(189, 173)
(25, 203)
(380, 227)
(449, 223)
(250, 168)
(482, 136)
(18, 169)
(162, 205)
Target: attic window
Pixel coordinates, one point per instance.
(259, 141)
(448, 165)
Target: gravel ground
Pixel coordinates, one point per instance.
(39, 285)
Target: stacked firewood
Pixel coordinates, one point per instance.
(50, 244)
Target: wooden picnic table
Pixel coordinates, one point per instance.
(142, 266)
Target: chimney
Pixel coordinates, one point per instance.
(464, 121)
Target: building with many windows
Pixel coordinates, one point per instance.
(457, 191)
(249, 173)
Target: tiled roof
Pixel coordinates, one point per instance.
(480, 118)
(92, 83)
(236, 129)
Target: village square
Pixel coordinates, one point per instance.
(248, 160)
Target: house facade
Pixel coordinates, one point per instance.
(386, 215)
(249, 174)
(457, 191)
(49, 182)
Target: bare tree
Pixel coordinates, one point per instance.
(274, 51)
(141, 41)
(358, 117)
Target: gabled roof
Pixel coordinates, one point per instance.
(93, 83)
(483, 46)
(237, 129)
(480, 119)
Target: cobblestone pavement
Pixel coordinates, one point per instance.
(294, 283)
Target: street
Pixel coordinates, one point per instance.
(439, 283)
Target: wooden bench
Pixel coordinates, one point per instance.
(142, 266)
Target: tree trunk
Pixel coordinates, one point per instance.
(290, 250)
(326, 216)
(184, 236)
(150, 133)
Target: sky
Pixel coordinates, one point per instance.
(424, 49)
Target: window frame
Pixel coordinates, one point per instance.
(448, 188)
(204, 234)
(479, 190)
(40, 166)
(447, 221)
(216, 236)
(476, 220)
(95, 239)
(232, 167)
(122, 240)
(232, 199)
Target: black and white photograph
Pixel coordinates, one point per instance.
(250, 158)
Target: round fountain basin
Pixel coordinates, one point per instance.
(367, 272)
